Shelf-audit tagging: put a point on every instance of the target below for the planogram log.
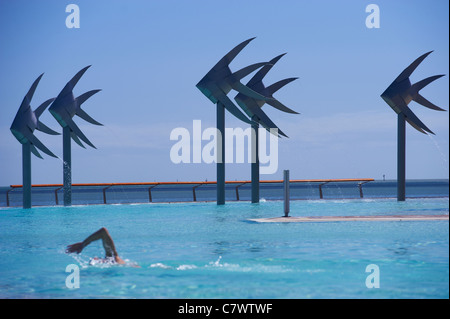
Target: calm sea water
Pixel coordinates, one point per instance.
(200, 250)
(179, 193)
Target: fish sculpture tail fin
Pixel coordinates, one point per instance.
(423, 101)
(80, 112)
(44, 128)
(271, 89)
(259, 76)
(415, 88)
(35, 151)
(83, 97)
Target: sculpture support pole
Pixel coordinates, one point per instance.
(220, 154)
(401, 157)
(67, 167)
(255, 162)
(26, 174)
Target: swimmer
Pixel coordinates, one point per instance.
(108, 245)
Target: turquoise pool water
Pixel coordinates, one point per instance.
(200, 250)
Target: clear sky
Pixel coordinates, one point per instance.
(147, 57)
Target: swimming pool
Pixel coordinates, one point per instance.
(201, 250)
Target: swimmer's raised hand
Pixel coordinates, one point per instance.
(108, 245)
(103, 234)
(75, 248)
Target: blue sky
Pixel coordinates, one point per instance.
(147, 56)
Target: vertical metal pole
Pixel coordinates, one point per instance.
(26, 174)
(221, 154)
(150, 194)
(67, 167)
(286, 192)
(401, 158)
(7, 196)
(194, 195)
(104, 194)
(56, 195)
(320, 191)
(255, 162)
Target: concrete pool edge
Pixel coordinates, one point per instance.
(307, 219)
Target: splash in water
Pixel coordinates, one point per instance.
(443, 156)
(86, 262)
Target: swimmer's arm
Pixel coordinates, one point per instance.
(103, 234)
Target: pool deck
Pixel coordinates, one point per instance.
(308, 219)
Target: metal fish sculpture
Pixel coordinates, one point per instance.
(401, 92)
(27, 120)
(252, 106)
(66, 106)
(219, 81)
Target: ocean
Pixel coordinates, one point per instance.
(85, 195)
